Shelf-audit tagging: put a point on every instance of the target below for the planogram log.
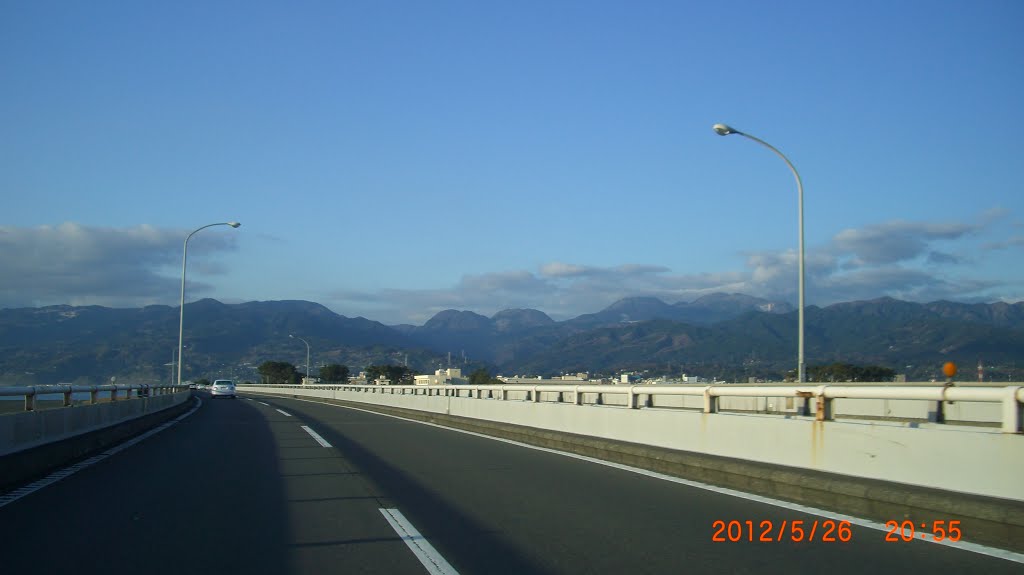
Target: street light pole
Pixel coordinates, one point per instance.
(181, 321)
(307, 355)
(723, 130)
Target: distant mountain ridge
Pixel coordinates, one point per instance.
(705, 310)
(722, 333)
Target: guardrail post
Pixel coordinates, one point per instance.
(536, 395)
(939, 415)
(631, 398)
(710, 401)
(1013, 411)
(805, 409)
(577, 397)
(113, 394)
(824, 412)
(94, 396)
(67, 397)
(30, 401)
(504, 393)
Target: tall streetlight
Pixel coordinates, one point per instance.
(307, 355)
(181, 322)
(723, 130)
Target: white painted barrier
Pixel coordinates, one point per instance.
(979, 460)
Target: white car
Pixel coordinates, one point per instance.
(223, 388)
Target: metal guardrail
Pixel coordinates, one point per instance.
(31, 392)
(821, 396)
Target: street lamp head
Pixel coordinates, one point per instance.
(291, 336)
(723, 130)
(234, 224)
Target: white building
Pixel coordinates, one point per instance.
(450, 376)
(538, 380)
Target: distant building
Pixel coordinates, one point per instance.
(450, 376)
(538, 380)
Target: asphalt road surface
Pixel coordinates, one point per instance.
(241, 486)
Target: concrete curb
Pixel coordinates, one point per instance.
(985, 520)
(23, 466)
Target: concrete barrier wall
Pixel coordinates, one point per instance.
(961, 411)
(30, 429)
(972, 460)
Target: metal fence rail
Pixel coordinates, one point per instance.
(32, 392)
(818, 399)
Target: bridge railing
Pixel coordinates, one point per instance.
(817, 399)
(32, 392)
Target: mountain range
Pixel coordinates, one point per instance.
(731, 336)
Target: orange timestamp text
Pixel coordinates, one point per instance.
(905, 531)
(767, 531)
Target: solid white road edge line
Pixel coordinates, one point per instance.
(418, 544)
(56, 476)
(961, 545)
(316, 436)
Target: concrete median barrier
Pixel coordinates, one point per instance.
(34, 443)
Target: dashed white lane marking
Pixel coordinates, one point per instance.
(418, 544)
(56, 476)
(961, 545)
(316, 436)
(284, 413)
(261, 403)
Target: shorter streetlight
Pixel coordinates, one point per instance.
(307, 355)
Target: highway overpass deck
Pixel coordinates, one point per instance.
(241, 486)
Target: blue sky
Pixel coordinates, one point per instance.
(394, 159)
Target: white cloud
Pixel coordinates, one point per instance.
(83, 265)
(129, 267)
(564, 270)
(1013, 242)
(906, 260)
(896, 241)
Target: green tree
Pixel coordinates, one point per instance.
(849, 372)
(279, 372)
(334, 373)
(481, 377)
(396, 374)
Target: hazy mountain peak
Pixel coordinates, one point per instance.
(461, 320)
(637, 303)
(517, 319)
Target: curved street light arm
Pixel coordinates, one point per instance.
(724, 130)
(184, 260)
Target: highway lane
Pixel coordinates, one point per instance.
(493, 507)
(240, 486)
(234, 488)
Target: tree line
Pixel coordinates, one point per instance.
(282, 372)
(286, 373)
(849, 372)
